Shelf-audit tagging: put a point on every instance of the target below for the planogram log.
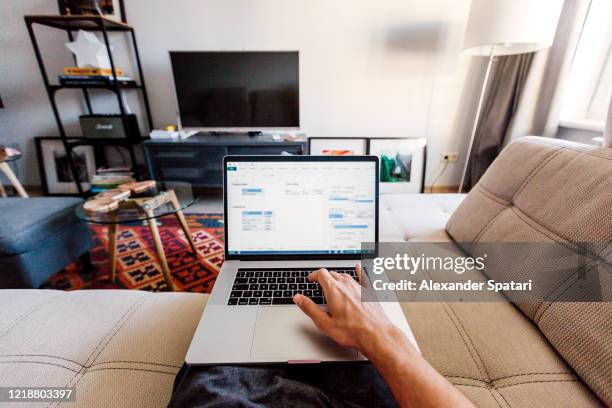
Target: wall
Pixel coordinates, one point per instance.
(384, 68)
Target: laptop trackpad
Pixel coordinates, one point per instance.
(286, 333)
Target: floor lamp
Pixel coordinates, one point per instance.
(506, 27)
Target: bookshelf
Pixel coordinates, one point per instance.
(104, 25)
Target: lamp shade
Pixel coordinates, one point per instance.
(511, 26)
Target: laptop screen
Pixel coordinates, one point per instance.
(307, 206)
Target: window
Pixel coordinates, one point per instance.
(589, 86)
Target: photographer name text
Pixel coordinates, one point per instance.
(469, 285)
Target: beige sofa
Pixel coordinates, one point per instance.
(124, 348)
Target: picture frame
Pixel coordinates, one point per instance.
(402, 163)
(113, 9)
(337, 146)
(55, 175)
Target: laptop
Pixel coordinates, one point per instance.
(286, 216)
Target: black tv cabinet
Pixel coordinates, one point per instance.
(198, 159)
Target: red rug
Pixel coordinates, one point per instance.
(137, 265)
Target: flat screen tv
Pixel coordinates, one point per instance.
(237, 91)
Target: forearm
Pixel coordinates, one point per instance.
(412, 380)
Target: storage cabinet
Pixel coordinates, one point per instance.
(198, 159)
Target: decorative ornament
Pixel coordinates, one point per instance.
(89, 51)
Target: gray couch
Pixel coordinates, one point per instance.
(124, 348)
(39, 237)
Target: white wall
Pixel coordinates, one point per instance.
(378, 68)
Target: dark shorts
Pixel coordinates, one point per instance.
(320, 385)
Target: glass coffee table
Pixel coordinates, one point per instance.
(164, 199)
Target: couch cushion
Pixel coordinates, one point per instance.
(494, 355)
(26, 222)
(551, 191)
(117, 347)
(405, 217)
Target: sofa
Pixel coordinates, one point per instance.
(124, 348)
(38, 237)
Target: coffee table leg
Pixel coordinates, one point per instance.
(159, 248)
(112, 251)
(182, 220)
(2, 191)
(6, 169)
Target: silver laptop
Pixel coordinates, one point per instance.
(286, 216)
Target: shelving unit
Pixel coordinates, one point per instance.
(70, 24)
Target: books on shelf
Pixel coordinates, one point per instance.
(91, 71)
(160, 134)
(108, 178)
(84, 80)
(114, 169)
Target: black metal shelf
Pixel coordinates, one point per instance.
(105, 26)
(81, 22)
(73, 142)
(110, 87)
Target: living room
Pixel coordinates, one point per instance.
(261, 196)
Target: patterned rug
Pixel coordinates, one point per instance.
(137, 265)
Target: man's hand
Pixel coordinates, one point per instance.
(349, 321)
(365, 327)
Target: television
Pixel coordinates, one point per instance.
(241, 91)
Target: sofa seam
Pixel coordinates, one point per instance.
(489, 224)
(133, 362)
(492, 196)
(472, 385)
(129, 369)
(118, 324)
(535, 382)
(465, 341)
(506, 377)
(462, 332)
(93, 365)
(495, 392)
(535, 171)
(38, 362)
(550, 302)
(26, 314)
(561, 241)
(581, 151)
(115, 330)
(553, 234)
(446, 308)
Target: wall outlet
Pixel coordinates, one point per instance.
(449, 157)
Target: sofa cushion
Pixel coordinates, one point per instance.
(26, 222)
(494, 355)
(405, 217)
(118, 348)
(550, 191)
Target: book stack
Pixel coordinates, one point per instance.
(77, 76)
(108, 178)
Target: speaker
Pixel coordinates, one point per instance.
(110, 126)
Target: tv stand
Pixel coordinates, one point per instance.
(198, 159)
(227, 133)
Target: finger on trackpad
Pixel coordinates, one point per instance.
(286, 333)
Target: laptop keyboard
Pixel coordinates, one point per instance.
(276, 286)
